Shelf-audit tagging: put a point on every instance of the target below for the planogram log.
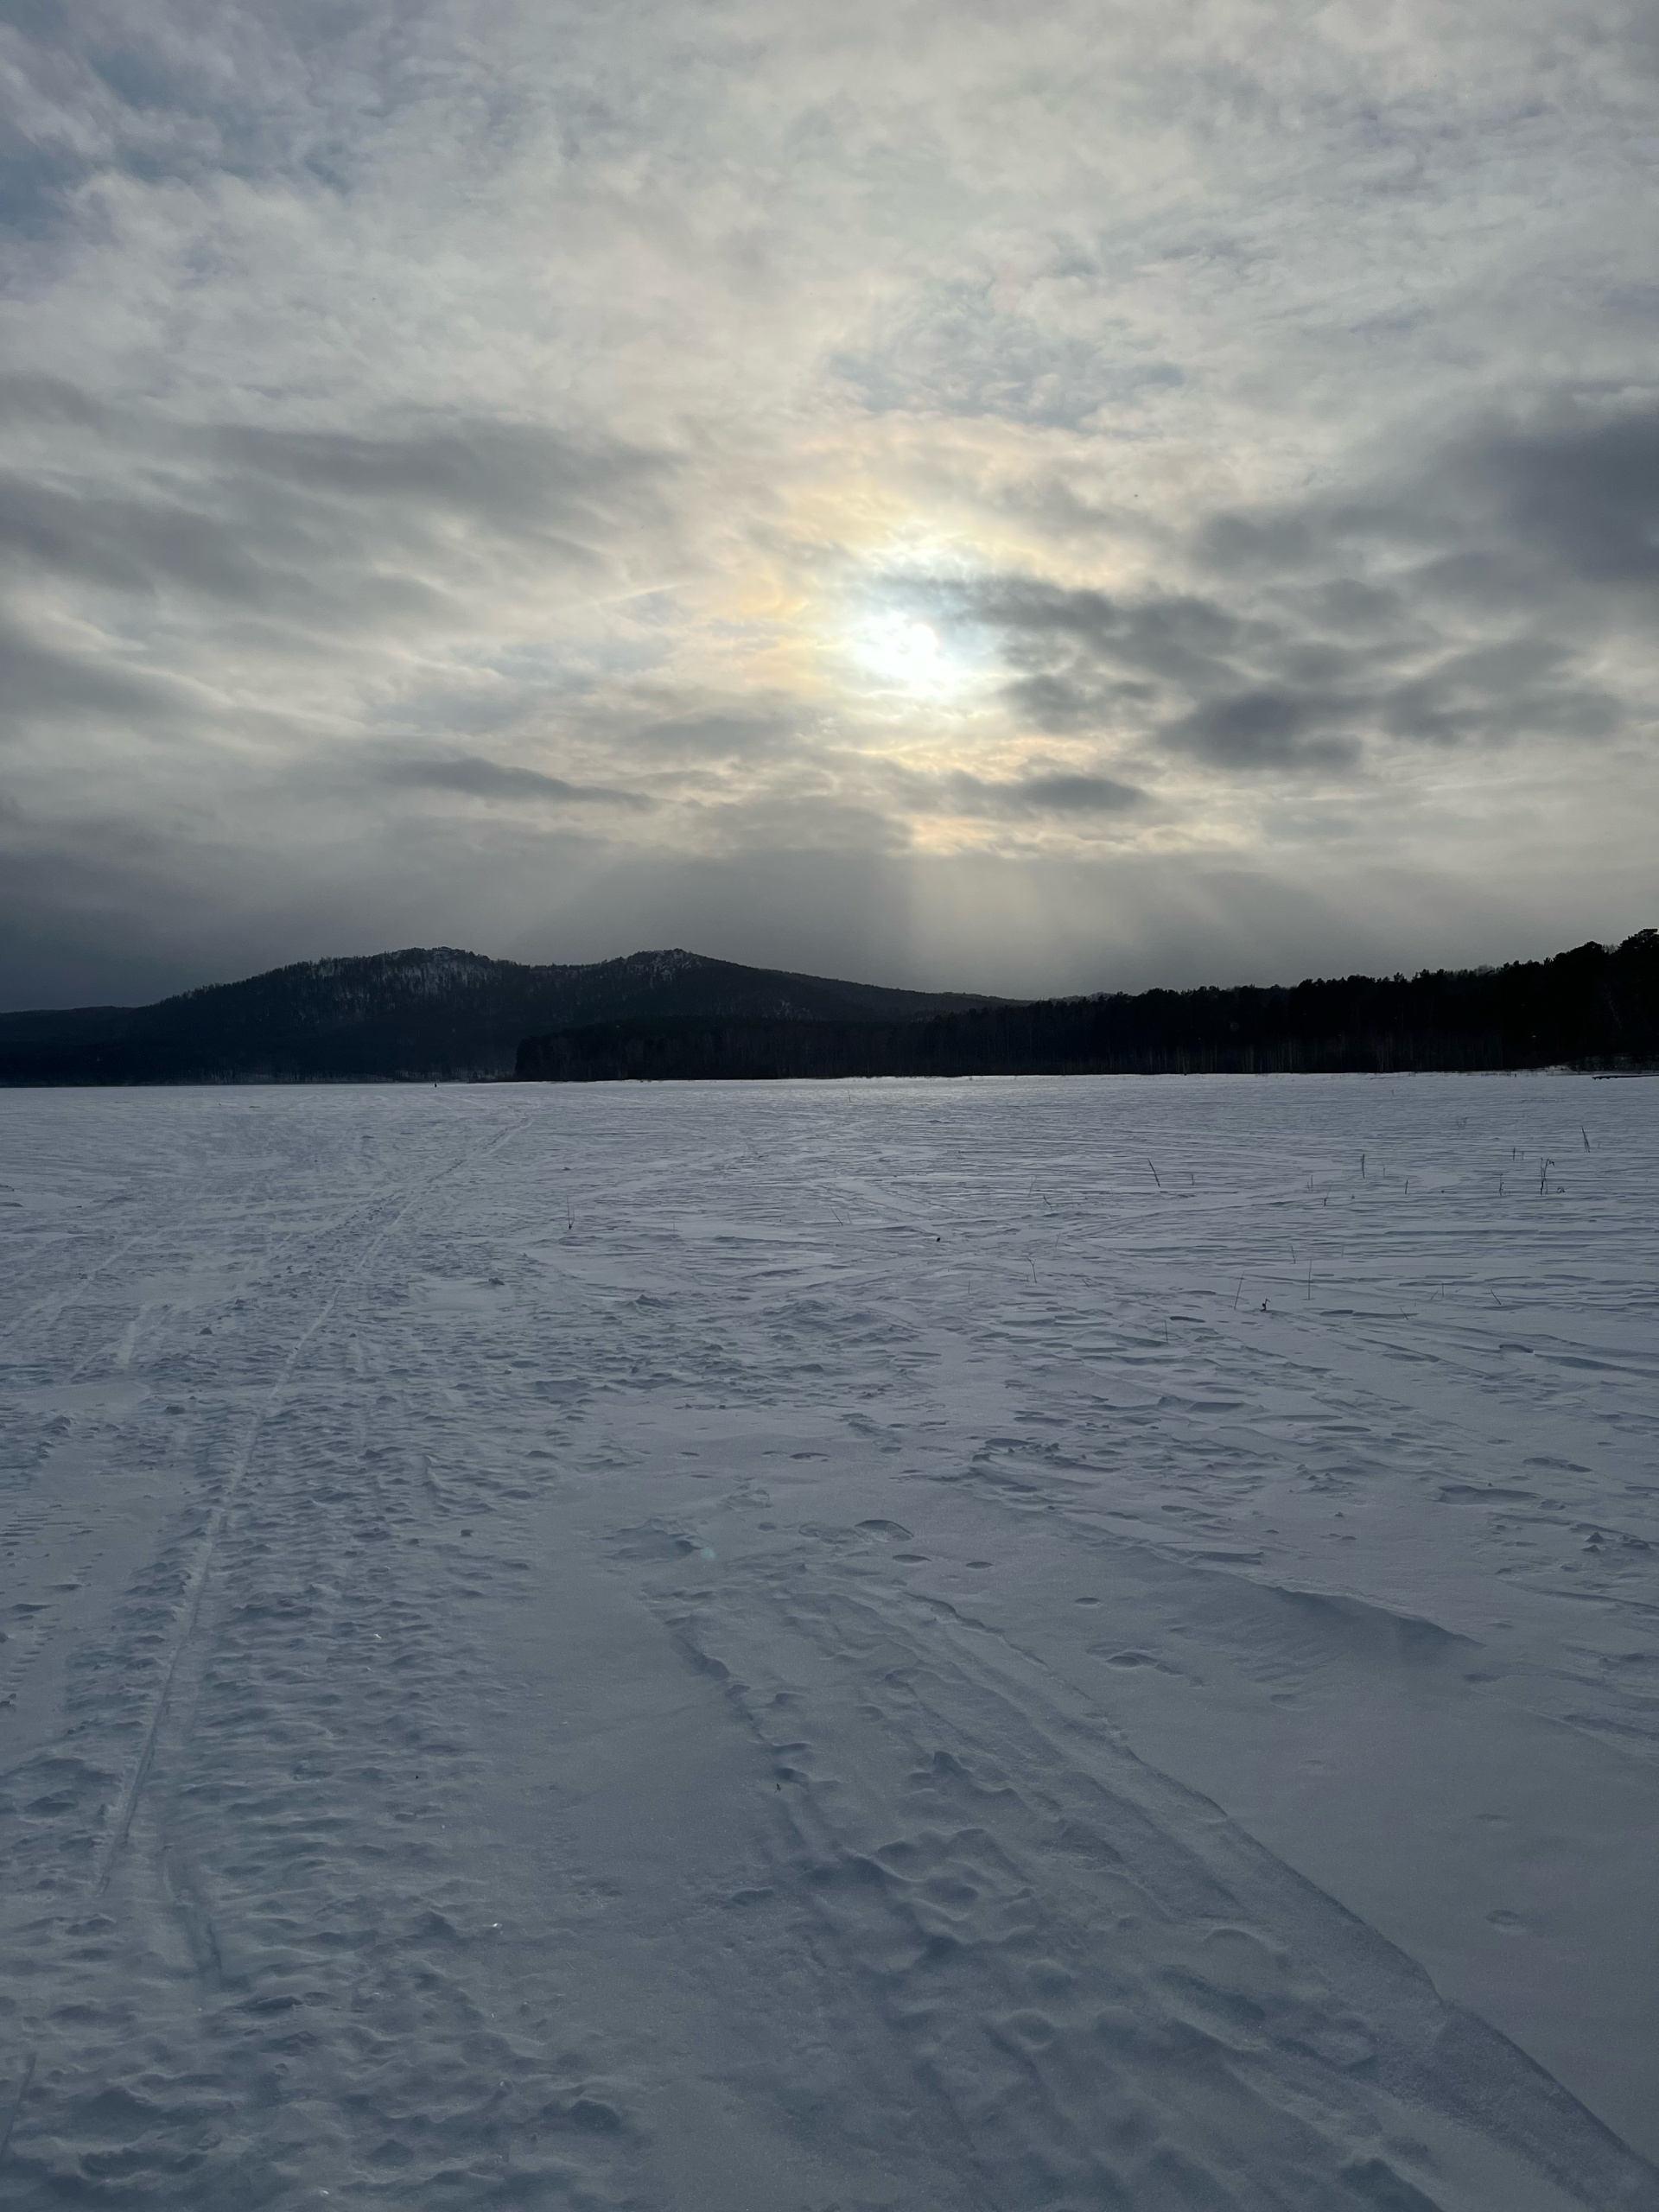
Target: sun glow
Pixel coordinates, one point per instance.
(895, 653)
(902, 653)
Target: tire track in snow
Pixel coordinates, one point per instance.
(1091, 1974)
(186, 1908)
(58, 1305)
(197, 1581)
(128, 1803)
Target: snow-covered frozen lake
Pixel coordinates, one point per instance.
(1010, 1645)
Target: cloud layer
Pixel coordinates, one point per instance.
(1028, 498)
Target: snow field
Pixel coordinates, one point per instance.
(1008, 1645)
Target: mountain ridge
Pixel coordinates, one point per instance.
(418, 1013)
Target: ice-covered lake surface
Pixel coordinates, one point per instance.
(1011, 1644)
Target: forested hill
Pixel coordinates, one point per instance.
(413, 1014)
(1598, 1007)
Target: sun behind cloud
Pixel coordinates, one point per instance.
(902, 654)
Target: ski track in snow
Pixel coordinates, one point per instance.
(805, 1648)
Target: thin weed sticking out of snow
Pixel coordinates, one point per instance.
(18, 2102)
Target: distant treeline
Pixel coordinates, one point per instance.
(1597, 1006)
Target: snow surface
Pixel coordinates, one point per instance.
(935, 1646)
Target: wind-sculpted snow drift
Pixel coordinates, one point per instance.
(1059, 1644)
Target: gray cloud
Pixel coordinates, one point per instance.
(1468, 604)
(1575, 493)
(518, 477)
(40, 684)
(1183, 640)
(714, 734)
(1041, 792)
(288, 518)
(161, 91)
(442, 440)
(954, 352)
(1505, 510)
(491, 780)
(189, 574)
(1253, 730)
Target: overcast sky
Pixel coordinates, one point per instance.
(1019, 495)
